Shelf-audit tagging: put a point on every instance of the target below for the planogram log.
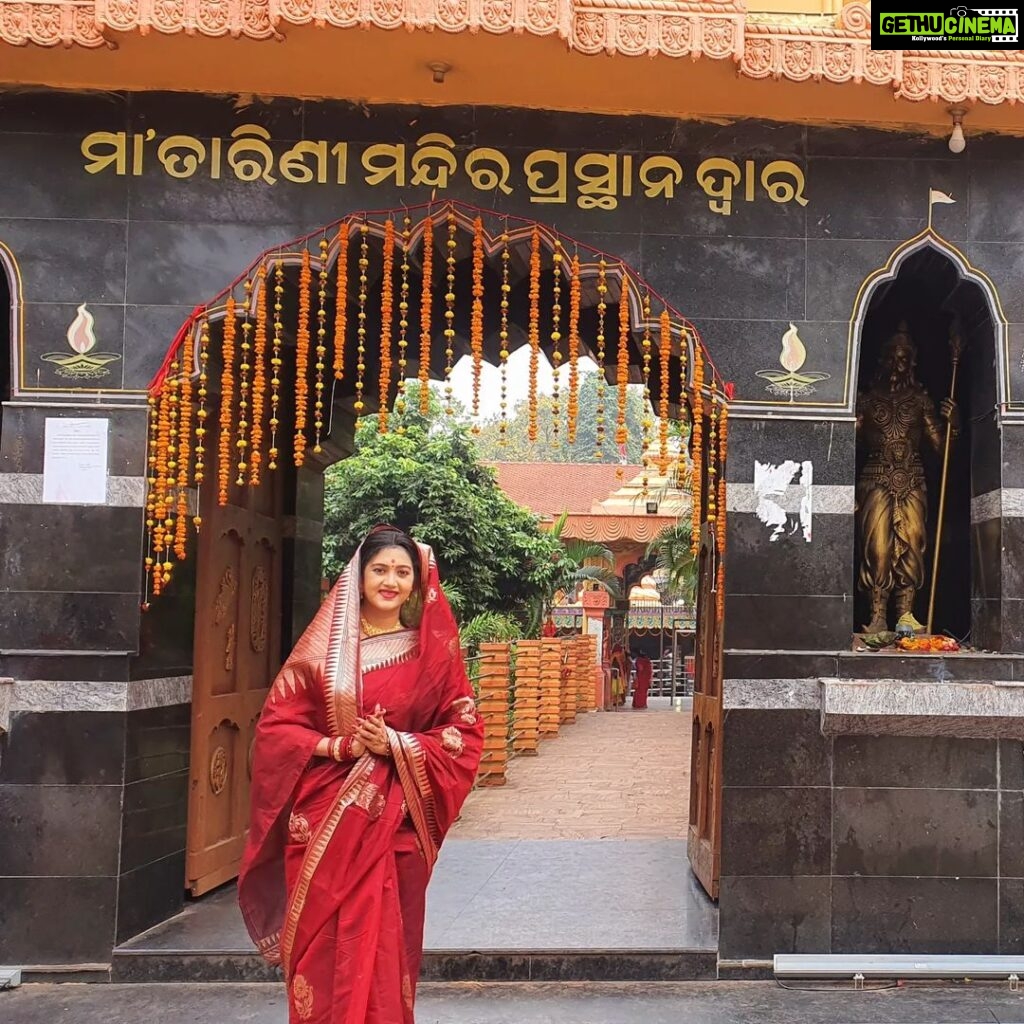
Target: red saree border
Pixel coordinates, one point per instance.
(423, 820)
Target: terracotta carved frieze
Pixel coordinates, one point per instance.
(798, 48)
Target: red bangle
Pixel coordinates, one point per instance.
(336, 748)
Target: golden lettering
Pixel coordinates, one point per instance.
(558, 190)
(487, 178)
(750, 180)
(627, 174)
(432, 148)
(293, 163)
(100, 161)
(721, 190)
(261, 164)
(382, 161)
(138, 150)
(216, 148)
(784, 191)
(340, 150)
(181, 165)
(598, 175)
(671, 174)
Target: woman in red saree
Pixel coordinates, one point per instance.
(367, 747)
(642, 681)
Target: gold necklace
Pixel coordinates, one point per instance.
(369, 630)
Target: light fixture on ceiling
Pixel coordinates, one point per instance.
(957, 142)
(439, 69)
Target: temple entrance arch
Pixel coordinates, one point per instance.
(266, 381)
(930, 297)
(10, 322)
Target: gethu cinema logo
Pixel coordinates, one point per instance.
(999, 24)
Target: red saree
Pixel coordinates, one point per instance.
(334, 876)
(642, 681)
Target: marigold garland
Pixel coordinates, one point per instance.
(712, 485)
(534, 329)
(403, 317)
(160, 486)
(364, 263)
(723, 448)
(622, 370)
(645, 349)
(171, 384)
(476, 326)
(321, 349)
(244, 366)
(227, 401)
(341, 302)
(556, 335)
(276, 362)
(602, 310)
(574, 347)
(202, 413)
(259, 380)
(426, 306)
(449, 316)
(696, 449)
(664, 354)
(184, 444)
(387, 300)
(302, 344)
(152, 426)
(506, 289)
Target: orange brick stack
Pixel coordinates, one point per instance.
(587, 666)
(526, 718)
(550, 686)
(493, 706)
(568, 699)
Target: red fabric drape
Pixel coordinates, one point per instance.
(642, 681)
(338, 856)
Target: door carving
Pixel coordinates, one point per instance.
(704, 840)
(237, 655)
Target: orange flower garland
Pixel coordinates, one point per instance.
(227, 396)
(341, 302)
(387, 299)
(302, 342)
(622, 373)
(712, 515)
(449, 316)
(645, 348)
(696, 449)
(152, 427)
(476, 326)
(364, 263)
(276, 362)
(664, 354)
(259, 380)
(403, 317)
(184, 444)
(426, 305)
(321, 350)
(506, 289)
(556, 334)
(171, 384)
(244, 366)
(602, 310)
(201, 413)
(574, 347)
(723, 446)
(534, 330)
(160, 493)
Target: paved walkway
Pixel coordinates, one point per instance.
(612, 775)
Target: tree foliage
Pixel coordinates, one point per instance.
(548, 448)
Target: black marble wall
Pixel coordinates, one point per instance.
(93, 807)
(868, 844)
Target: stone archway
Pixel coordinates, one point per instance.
(257, 395)
(10, 324)
(931, 287)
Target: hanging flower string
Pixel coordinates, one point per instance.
(227, 395)
(574, 347)
(622, 370)
(697, 455)
(244, 366)
(664, 354)
(259, 379)
(341, 302)
(534, 330)
(602, 311)
(712, 482)
(403, 317)
(506, 288)
(449, 315)
(184, 446)
(723, 449)
(556, 335)
(153, 425)
(302, 342)
(426, 303)
(645, 349)
(321, 349)
(171, 476)
(201, 413)
(386, 322)
(476, 326)
(364, 263)
(276, 363)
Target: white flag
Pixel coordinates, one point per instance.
(935, 196)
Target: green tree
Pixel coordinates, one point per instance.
(671, 550)
(549, 448)
(492, 554)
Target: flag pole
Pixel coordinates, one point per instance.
(931, 206)
(956, 349)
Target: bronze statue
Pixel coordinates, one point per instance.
(895, 416)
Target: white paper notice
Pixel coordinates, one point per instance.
(75, 462)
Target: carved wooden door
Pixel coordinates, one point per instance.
(704, 841)
(237, 655)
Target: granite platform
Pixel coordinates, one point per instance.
(497, 910)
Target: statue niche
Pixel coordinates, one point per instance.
(897, 423)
